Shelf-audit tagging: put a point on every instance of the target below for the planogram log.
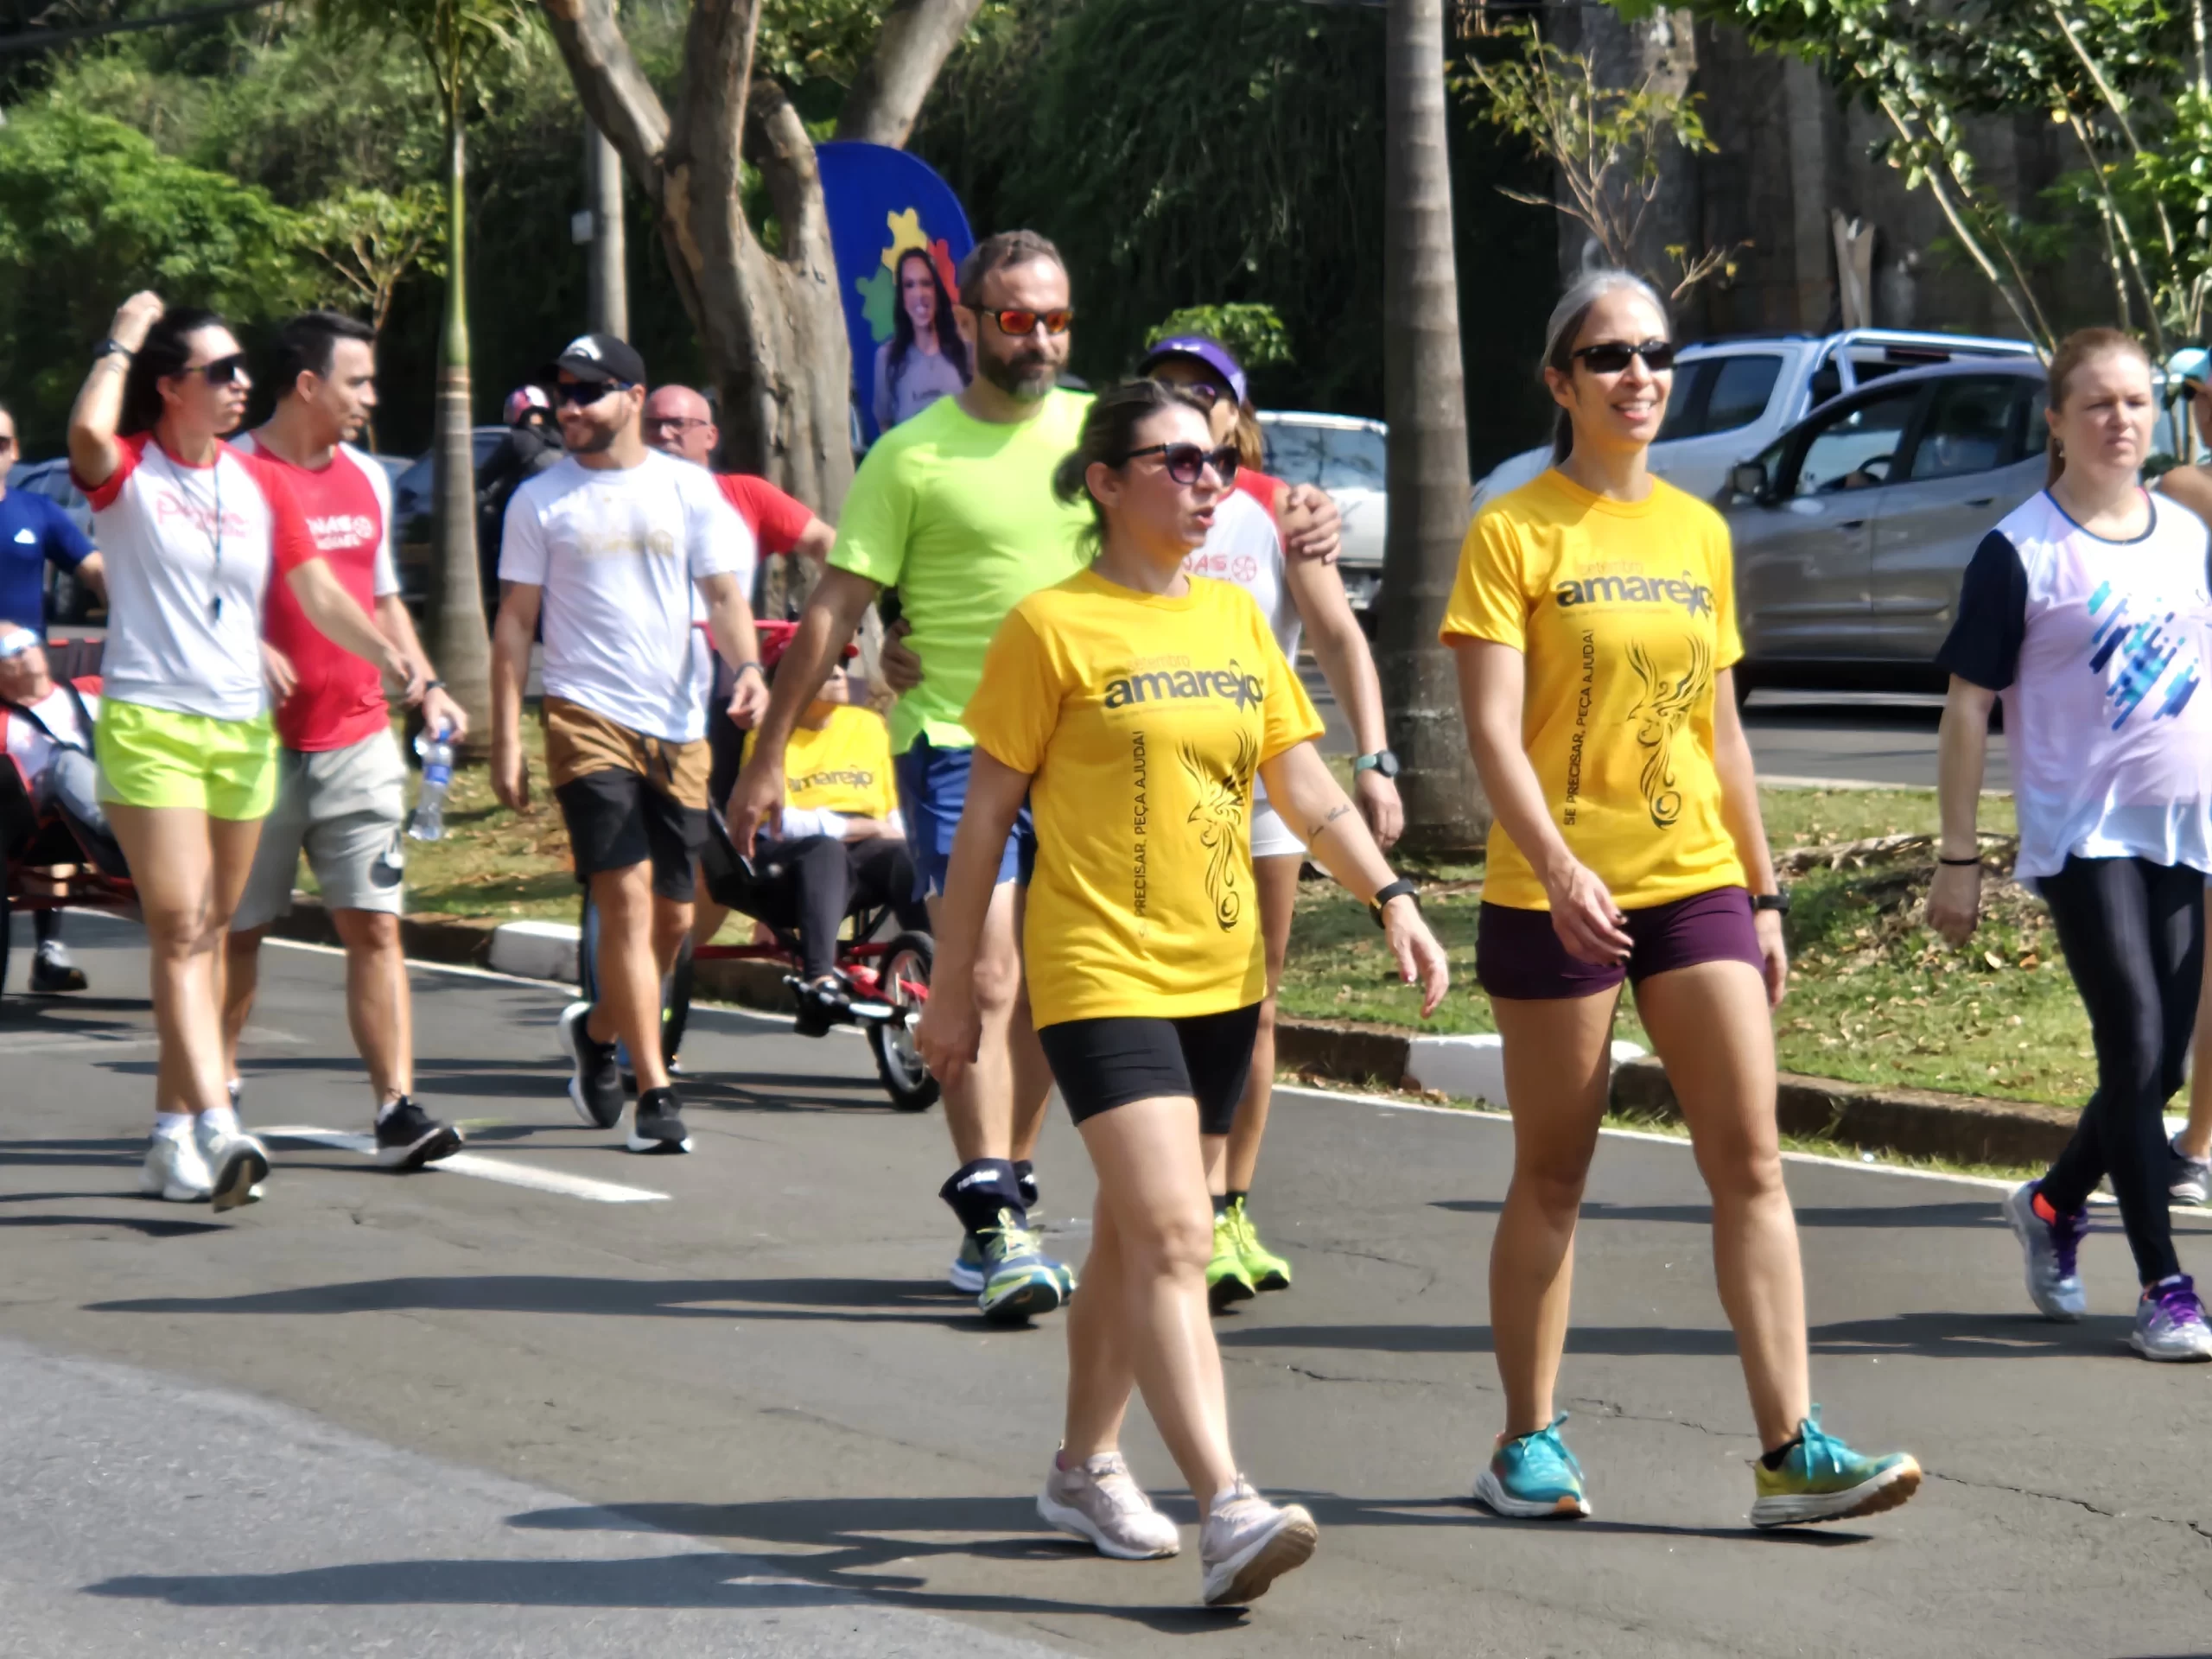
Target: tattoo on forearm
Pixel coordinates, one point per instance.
(1336, 812)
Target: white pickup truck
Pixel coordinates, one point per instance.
(1732, 397)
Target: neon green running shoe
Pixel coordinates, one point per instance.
(1267, 1270)
(1226, 1280)
(1823, 1480)
(1019, 1280)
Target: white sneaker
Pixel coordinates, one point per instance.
(175, 1170)
(1098, 1500)
(240, 1163)
(1246, 1543)
(2169, 1322)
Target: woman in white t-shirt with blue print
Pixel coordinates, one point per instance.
(2087, 611)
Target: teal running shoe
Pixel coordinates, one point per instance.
(967, 1273)
(1534, 1476)
(1019, 1280)
(1823, 1480)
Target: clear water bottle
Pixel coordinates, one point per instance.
(429, 823)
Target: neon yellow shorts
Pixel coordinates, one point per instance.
(156, 757)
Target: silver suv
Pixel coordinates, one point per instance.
(1853, 528)
(1346, 455)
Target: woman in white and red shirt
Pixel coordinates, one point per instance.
(193, 531)
(1246, 546)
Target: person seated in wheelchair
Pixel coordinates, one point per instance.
(49, 738)
(838, 845)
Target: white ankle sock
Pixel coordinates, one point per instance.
(174, 1126)
(222, 1119)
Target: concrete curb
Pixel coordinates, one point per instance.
(1919, 1123)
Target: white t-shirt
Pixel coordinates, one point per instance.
(617, 551)
(32, 748)
(1245, 547)
(190, 553)
(2099, 649)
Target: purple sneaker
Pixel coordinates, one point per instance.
(2169, 1322)
(2050, 1245)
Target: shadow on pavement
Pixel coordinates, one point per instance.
(147, 1225)
(859, 1300)
(117, 1151)
(1927, 1336)
(1968, 1213)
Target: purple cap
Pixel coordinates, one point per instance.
(1208, 351)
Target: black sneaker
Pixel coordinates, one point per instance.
(53, 972)
(820, 1006)
(658, 1125)
(596, 1087)
(408, 1137)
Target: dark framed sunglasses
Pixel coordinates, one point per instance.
(1615, 355)
(1185, 462)
(577, 394)
(223, 371)
(1021, 324)
(2188, 391)
(675, 423)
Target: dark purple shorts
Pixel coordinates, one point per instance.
(1518, 957)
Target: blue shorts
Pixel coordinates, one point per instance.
(933, 790)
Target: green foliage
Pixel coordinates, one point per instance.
(1253, 333)
(369, 239)
(91, 211)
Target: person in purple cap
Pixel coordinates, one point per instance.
(1246, 546)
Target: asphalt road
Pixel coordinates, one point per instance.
(1797, 737)
(448, 1413)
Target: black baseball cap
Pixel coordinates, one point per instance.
(602, 358)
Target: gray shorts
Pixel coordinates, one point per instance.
(346, 808)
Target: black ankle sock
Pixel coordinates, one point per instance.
(1024, 1182)
(1221, 1204)
(1236, 1195)
(1773, 1459)
(977, 1191)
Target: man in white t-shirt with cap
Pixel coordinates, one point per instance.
(606, 549)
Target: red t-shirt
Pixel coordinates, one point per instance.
(1261, 486)
(340, 699)
(776, 520)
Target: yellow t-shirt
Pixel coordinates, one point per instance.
(1143, 720)
(1626, 612)
(845, 768)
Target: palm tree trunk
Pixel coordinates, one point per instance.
(1424, 395)
(458, 641)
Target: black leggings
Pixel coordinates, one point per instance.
(2133, 934)
(812, 884)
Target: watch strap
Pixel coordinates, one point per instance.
(1403, 887)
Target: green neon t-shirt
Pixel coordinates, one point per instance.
(958, 514)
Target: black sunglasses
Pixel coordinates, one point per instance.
(1615, 355)
(223, 370)
(578, 393)
(1184, 461)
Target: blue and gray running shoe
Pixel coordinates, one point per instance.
(1019, 1280)
(2049, 1241)
(967, 1271)
(2169, 1322)
(1823, 1480)
(1534, 1476)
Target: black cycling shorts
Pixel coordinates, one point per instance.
(1104, 1062)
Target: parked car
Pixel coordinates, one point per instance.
(410, 510)
(1853, 529)
(68, 598)
(1345, 456)
(1733, 397)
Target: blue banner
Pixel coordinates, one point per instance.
(881, 202)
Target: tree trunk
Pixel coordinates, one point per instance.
(457, 642)
(886, 95)
(1424, 396)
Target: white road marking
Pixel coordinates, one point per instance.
(485, 1169)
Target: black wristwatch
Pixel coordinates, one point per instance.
(1381, 760)
(1777, 901)
(1403, 887)
(111, 347)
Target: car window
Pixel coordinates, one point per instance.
(1853, 448)
(2035, 430)
(1684, 403)
(1355, 460)
(1294, 451)
(1970, 429)
(1741, 389)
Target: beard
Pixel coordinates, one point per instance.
(1026, 377)
(593, 441)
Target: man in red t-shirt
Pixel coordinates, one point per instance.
(341, 794)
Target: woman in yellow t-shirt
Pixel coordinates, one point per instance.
(1594, 623)
(1132, 705)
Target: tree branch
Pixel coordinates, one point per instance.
(886, 95)
(616, 95)
(776, 142)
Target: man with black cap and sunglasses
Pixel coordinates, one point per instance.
(606, 548)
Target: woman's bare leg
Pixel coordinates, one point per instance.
(1558, 1060)
(1151, 1177)
(1232, 1160)
(1099, 1377)
(1710, 1025)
